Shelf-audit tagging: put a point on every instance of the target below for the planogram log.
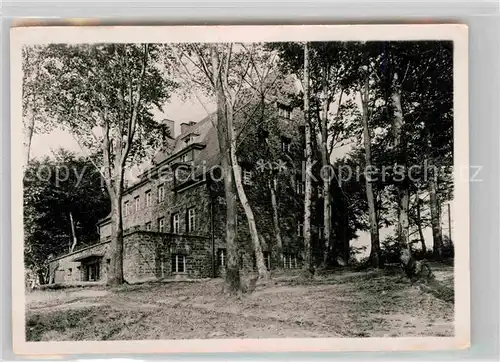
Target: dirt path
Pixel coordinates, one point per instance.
(349, 305)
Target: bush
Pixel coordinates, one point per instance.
(390, 251)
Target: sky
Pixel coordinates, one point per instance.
(176, 109)
(185, 110)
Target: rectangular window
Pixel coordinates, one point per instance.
(178, 263)
(247, 177)
(221, 257)
(290, 261)
(300, 229)
(284, 112)
(148, 198)
(137, 201)
(175, 223)
(161, 193)
(321, 232)
(126, 208)
(191, 219)
(148, 226)
(299, 187)
(285, 144)
(161, 224)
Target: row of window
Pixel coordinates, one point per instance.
(300, 186)
(178, 264)
(320, 229)
(290, 260)
(284, 112)
(178, 261)
(127, 207)
(175, 224)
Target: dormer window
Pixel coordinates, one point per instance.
(188, 139)
(284, 111)
(187, 157)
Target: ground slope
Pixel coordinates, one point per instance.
(344, 304)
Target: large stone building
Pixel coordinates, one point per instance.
(174, 214)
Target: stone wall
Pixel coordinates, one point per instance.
(261, 207)
(196, 197)
(146, 255)
(64, 269)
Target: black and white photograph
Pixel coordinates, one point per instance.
(240, 188)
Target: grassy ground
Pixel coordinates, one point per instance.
(344, 304)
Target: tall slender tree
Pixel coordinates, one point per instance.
(364, 93)
(34, 86)
(308, 263)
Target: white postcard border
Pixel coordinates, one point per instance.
(161, 34)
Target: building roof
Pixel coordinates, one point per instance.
(201, 132)
(89, 256)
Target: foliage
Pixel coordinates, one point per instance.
(53, 188)
(105, 95)
(94, 86)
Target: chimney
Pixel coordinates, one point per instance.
(184, 127)
(167, 130)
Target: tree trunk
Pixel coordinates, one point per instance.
(419, 226)
(403, 222)
(232, 283)
(345, 238)
(323, 144)
(437, 235)
(273, 184)
(116, 275)
(29, 127)
(374, 257)
(73, 233)
(41, 276)
(308, 266)
(403, 228)
(252, 226)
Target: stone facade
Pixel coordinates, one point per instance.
(174, 218)
(147, 255)
(70, 268)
